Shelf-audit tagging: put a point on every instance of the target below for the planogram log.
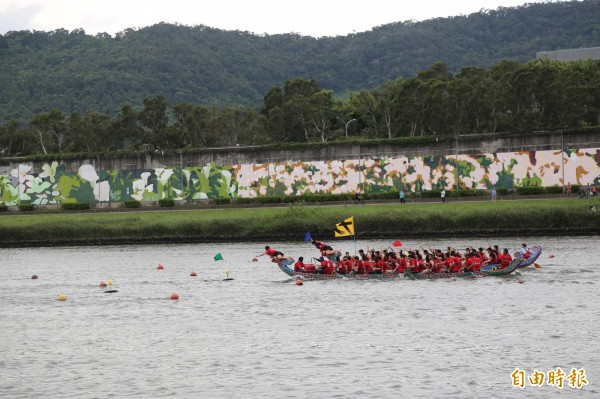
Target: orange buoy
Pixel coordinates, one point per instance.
(34, 277)
(174, 296)
(299, 281)
(193, 274)
(62, 298)
(102, 284)
(160, 267)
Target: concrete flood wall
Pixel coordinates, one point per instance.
(466, 162)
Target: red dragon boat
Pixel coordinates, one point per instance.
(286, 266)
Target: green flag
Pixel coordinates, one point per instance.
(218, 256)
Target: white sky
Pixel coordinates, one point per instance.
(307, 17)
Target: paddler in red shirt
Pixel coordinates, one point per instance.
(492, 256)
(327, 266)
(401, 264)
(473, 262)
(439, 265)
(346, 265)
(455, 263)
(326, 250)
(299, 266)
(359, 266)
(505, 259)
(274, 254)
(525, 251)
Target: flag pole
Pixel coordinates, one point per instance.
(354, 236)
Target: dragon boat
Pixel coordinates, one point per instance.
(535, 253)
(286, 266)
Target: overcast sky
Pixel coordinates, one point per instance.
(307, 17)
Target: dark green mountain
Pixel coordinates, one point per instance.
(76, 72)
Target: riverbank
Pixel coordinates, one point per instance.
(465, 218)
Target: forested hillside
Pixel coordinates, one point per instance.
(200, 66)
(436, 104)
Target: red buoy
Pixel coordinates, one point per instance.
(160, 267)
(102, 284)
(193, 274)
(299, 281)
(34, 277)
(174, 296)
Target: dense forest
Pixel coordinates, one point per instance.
(510, 96)
(192, 87)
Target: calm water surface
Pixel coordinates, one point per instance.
(261, 336)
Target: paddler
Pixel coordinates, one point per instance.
(525, 251)
(326, 250)
(299, 266)
(327, 266)
(505, 259)
(274, 254)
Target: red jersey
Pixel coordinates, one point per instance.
(345, 266)
(438, 266)
(299, 266)
(476, 265)
(505, 260)
(360, 267)
(416, 266)
(272, 252)
(327, 267)
(389, 267)
(402, 264)
(456, 264)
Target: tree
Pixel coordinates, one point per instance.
(187, 129)
(306, 111)
(50, 129)
(273, 112)
(12, 139)
(127, 132)
(154, 119)
(365, 108)
(91, 132)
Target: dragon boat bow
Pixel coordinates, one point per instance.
(534, 254)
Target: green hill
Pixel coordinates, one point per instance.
(76, 72)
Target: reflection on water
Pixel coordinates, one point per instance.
(262, 336)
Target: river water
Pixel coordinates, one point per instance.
(261, 336)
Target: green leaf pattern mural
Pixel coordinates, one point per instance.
(53, 184)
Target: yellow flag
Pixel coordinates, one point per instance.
(346, 228)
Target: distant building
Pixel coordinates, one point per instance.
(578, 54)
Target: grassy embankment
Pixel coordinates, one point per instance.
(539, 217)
